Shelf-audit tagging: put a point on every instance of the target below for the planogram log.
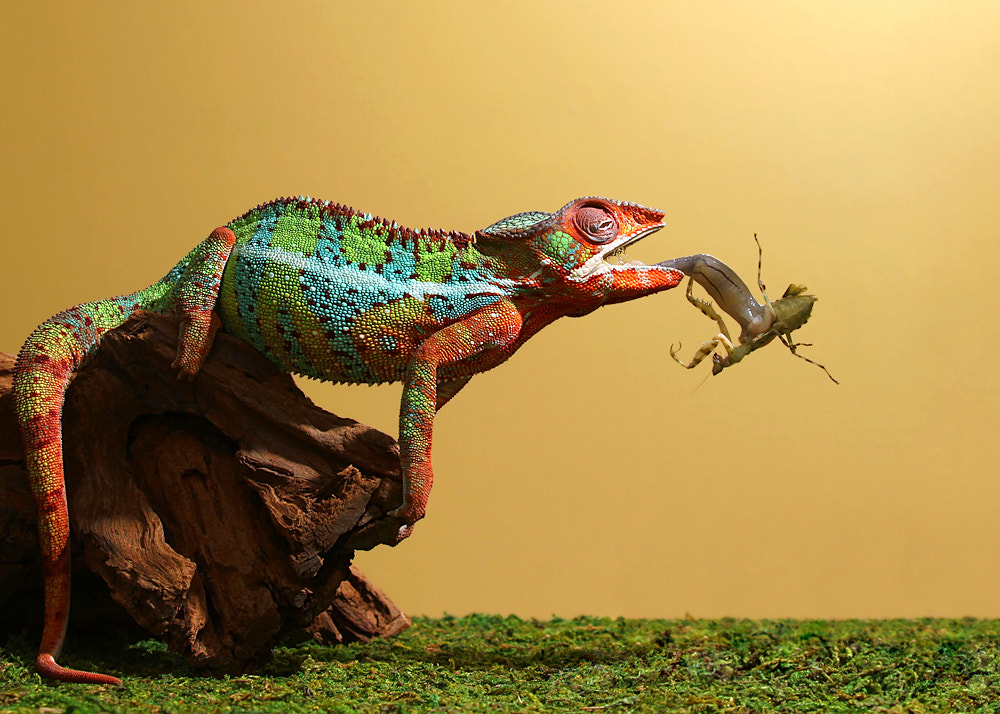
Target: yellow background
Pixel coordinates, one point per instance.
(590, 474)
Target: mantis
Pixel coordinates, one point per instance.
(760, 324)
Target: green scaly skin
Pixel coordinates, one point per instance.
(327, 292)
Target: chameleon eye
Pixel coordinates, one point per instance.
(596, 224)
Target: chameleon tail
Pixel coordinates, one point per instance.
(42, 373)
(44, 368)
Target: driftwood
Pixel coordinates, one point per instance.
(222, 514)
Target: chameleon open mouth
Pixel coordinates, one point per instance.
(597, 264)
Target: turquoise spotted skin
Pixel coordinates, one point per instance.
(328, 292)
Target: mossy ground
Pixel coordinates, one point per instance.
(483, 663)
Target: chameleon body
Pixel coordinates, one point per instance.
(328, 292)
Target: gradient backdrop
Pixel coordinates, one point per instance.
(860, 140)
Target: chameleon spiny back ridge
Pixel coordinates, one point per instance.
(331, 293)
(328, 292)
(340, 213)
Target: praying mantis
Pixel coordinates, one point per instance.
(760, 324)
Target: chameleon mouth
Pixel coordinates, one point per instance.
(597, 264)
(618, 252)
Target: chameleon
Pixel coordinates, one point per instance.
(328, 292)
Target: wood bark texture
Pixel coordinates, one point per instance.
(222, 513)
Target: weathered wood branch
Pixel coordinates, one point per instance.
(222, 513)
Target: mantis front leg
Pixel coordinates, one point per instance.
(709, 347)
(709, 312)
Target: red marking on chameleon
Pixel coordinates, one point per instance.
(51, 508)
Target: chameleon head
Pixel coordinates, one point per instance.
(570, 247)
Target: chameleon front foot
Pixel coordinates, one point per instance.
(409, 513)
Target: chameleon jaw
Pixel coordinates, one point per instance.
(597, 265)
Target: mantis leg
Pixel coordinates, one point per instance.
(709, 347)
(708, 310)
(793, 346)
(704, 351)
(727, 289)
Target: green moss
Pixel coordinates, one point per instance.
(495, 664)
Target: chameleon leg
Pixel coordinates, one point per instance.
(487, 330)
(195, 299)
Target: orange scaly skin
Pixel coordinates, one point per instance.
(327, 292)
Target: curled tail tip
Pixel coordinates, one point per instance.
(47, 667)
